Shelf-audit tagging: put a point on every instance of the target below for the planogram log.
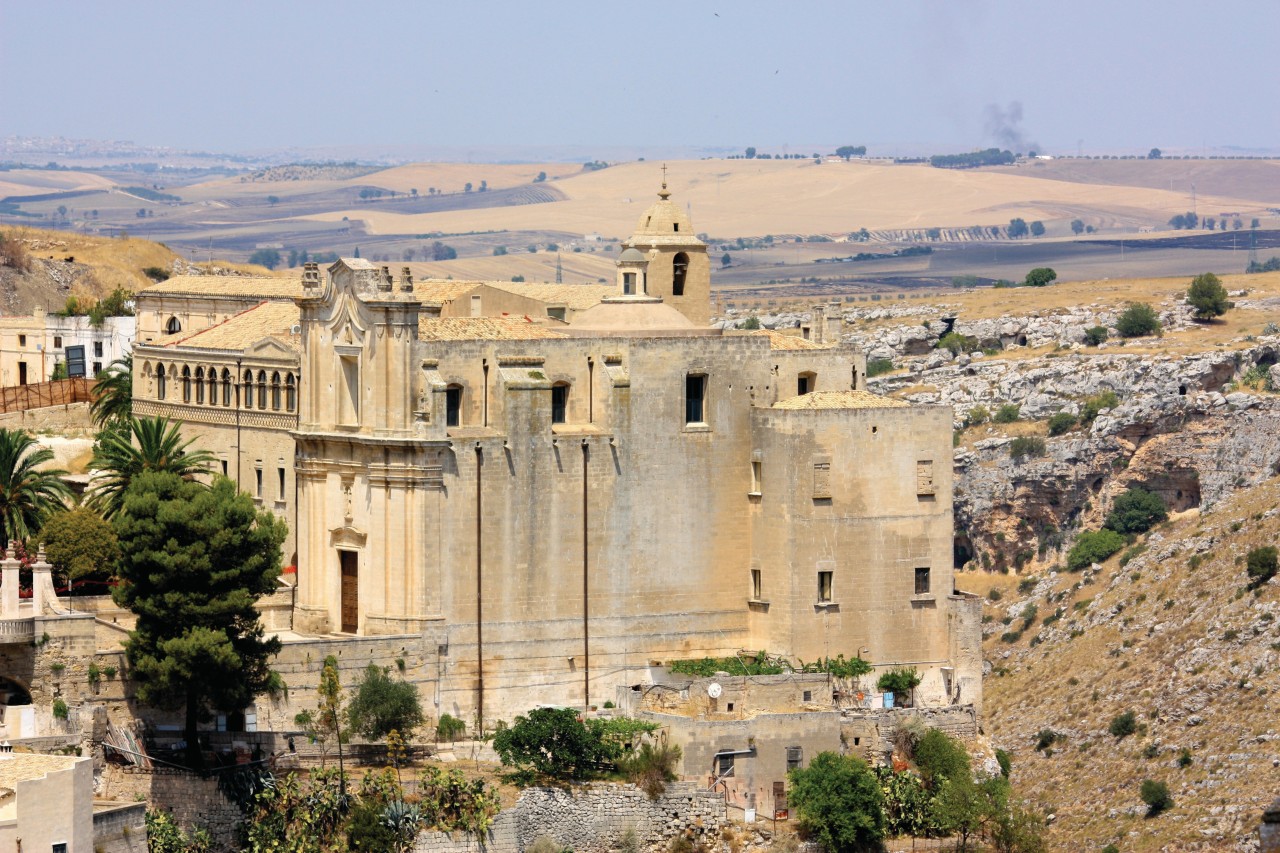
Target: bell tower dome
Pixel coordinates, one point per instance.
(679, 270)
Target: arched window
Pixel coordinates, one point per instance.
(160, 387)
(199, 384)
(186, 384)
(275, 391)
(213, 386)
(679, 266)
(226, 387)
(248, 389)
(559, 402)
(262, 389)
(290, 394)
(173, 326)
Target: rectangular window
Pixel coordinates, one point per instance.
(556, 313)
(922, 581)
(824, 587)
(257, 472)
(924, 477)
(224, 467)
(280, 477)
(695, 391)
(794, 756)
(453, 406)
(97, 368)
(821, 480)
(57, 342)
(350, 391)
(803, 385)
(757, 477)
(757, 588)
(559, 403)
(60, 847)
(475, 305)
(22, 340)
(724, 766)
(97, 349)
(628, 283)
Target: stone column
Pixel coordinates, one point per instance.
(9, 567)
(43, 595)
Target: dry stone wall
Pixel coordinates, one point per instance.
(593, 819)
(193, 801)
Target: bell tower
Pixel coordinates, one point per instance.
(678, 270)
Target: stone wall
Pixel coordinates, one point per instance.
(120, 828)
(593, 819)
(193, 801)
(58, 418)
(869, 734)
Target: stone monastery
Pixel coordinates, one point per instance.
(539, 494)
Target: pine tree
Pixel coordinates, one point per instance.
(195, 559)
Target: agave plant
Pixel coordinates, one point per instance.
(159, 447)
(28, 494)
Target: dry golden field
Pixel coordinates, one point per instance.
(758, 197)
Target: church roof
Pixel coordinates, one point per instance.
(243, 330)
(578, 297)
(840, 400)
(637, 317)
(482, 329)
(442, 290)
(779, 341)
(664, 222)
(262, 287)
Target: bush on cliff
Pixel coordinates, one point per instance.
(1093, 547)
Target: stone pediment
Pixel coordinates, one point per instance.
(271, 347)
(347, 537)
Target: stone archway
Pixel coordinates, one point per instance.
(17, 715)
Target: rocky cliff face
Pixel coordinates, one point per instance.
(1173, 432)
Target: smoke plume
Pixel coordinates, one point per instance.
(1002, 126)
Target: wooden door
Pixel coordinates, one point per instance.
(350, 591)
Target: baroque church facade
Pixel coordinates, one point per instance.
(543, 512)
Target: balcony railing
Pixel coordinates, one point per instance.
(17, 630)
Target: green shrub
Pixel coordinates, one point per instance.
(1061, 423)
(1136, 511)
(838, 802)
(1046, 738)
(449, 728)
(976, 416)
(1184, 758)
(1207, 296)
(1138, 320)
(1027, 584)
(1007, 414)
(1093, 547)
(1026, 446)
(1095, 404)
(899, 681)
(1123, 725)
(958, 343)
(60, 709)
(994, 594)
(1156, 796)
(1262, 564)
(875, 366)
(940, 758)
(1005, 762)
(1096, 335)
(651, 767)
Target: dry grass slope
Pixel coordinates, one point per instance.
(1174, 636)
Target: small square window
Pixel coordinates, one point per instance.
(57, 342)
(60, 847)
(922, 581)
(724, 766)
(807, 696)
(794, 756)
(824, 587)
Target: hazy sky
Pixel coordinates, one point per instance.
(236, 75)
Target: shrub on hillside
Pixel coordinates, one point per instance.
(1156, 796)
(1061, 423)
(876, 366)
(1096, 335)
(1136, 511)
(838, 801)
(1123, 725)
(1262, 564)
(1093, 547)
(1007, 414)
(1026, 445)
(976, 416)
(1207, 296)
(940, 758)
(958, 343)
(1096, 404)
(1138, 320)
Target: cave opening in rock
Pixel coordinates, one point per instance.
(962, 550)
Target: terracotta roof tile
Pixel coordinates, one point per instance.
(243, 330)
(482, 328)
(262, 287)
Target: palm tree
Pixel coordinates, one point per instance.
(159, 447)
(27, 495)
(113, 393)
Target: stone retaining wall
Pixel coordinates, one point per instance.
(592, 819)
(192, 800)
(120, 828)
